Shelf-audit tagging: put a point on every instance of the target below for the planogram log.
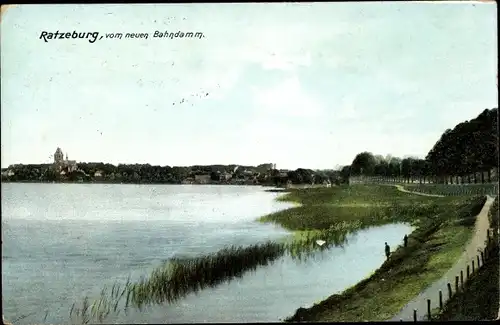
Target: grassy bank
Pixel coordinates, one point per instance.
(330, 214)
(344, 206)
(479, 299)
(327, 212)
(444, 225)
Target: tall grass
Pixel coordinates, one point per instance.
(352, 218)
(108, 303)
(177, 278)
(182, 276)
(350, 195)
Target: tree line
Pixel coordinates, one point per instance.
(467, 153)
(148, 174)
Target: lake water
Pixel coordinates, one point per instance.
(62, 242)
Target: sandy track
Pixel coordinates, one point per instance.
(402, 189)
(432, 292)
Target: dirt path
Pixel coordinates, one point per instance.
(477, 242)
(402, 189)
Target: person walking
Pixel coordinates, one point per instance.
(387, 250)
(405, 239)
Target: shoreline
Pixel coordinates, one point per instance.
(131, 183)
(419, 252)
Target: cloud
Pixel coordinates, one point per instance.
(283, 61)
(286, 98)
(347, 109)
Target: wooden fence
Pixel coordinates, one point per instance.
(432, 188)
(471, 268)
(471, 179)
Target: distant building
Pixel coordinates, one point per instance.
(283, 173)
(202, 179)
(188, 180)
(266, 167)
(225, 176)
(248, 172)
(60, 163)
(8, 172)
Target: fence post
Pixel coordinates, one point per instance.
(414, 315)
(462, 278)
(440, 300)
(473, 266)
(482, 257)
(468, 272)
(449, 290)
(429, 309)
(478, 265)
(456, 284)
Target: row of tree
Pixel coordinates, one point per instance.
(469, 149)
(305, 176)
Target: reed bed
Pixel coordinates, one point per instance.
(177, 278)
(303, 245)
(107, 304)
(181, 276)
(333, 218)
(184, 275)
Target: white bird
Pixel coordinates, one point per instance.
(320, 242)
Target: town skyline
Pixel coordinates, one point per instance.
(301, 85)
(61, 156)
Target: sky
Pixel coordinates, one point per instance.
(297, 84)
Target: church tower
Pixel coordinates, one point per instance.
(58, 156)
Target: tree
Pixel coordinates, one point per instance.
(363, 164)
(214, 176)
(470, 147)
